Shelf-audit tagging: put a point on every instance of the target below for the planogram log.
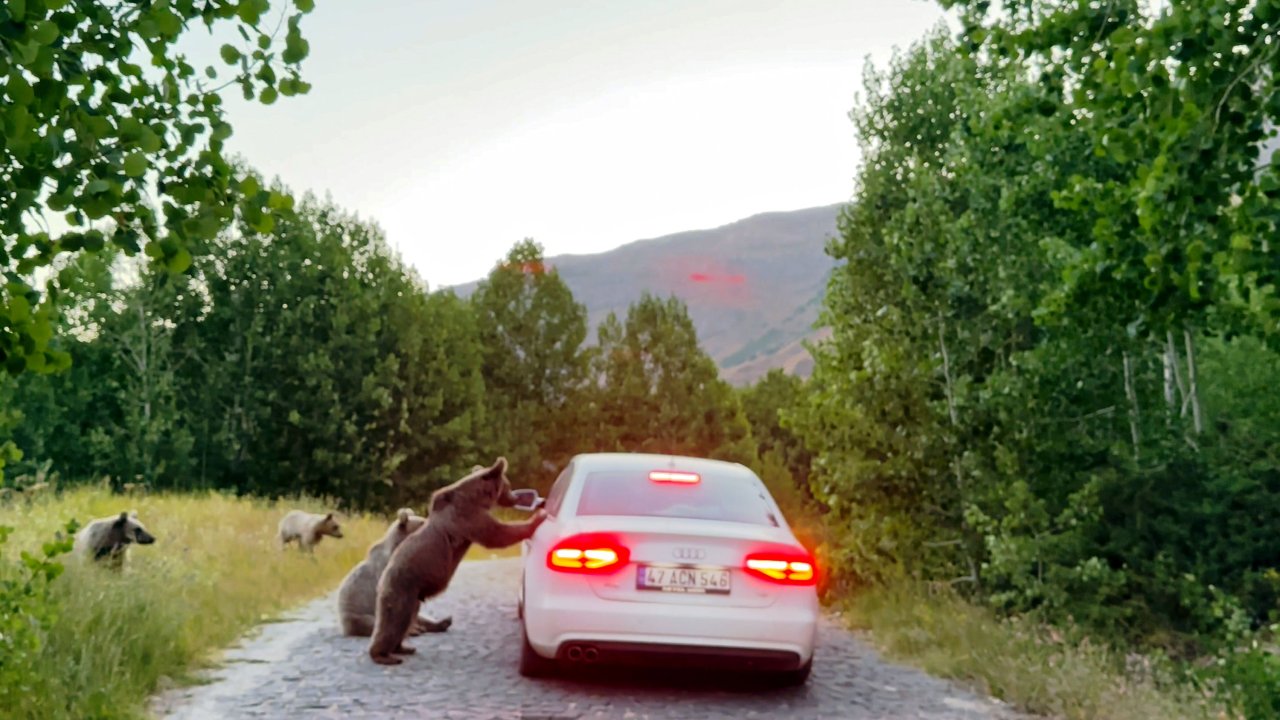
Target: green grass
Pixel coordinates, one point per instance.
(214, 572)
(1025, 664)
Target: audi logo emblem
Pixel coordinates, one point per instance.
(686, 553)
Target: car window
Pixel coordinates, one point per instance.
(556, 497)
(728, 498)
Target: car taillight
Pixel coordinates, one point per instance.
(786, 569)
(598, 554)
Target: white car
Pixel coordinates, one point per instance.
(666, 560)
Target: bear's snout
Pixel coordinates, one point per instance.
(145, 539)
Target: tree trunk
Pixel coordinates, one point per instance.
(1193, 390)
(946, 374)
(1134, 416)
(1172, 349)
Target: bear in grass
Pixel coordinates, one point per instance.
(108, 539)
(306, 528)
(425, 562)
(358, 595)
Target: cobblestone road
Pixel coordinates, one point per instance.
(302, 668)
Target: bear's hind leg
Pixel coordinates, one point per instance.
(358, 625)
(395, 617)
(423, 624)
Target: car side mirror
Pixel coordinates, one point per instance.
(527, 499)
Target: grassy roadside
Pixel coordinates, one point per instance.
(1027, 665)
(213, 573)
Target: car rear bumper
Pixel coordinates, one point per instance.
(780, 636)
(667, 655)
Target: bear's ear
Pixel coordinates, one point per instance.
(499, 468)
(440, 499)
(120, 521)
(404, 514)
(329, 516)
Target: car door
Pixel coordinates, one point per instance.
(554, 500)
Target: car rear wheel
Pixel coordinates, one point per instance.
(533, 665)
(797, 677)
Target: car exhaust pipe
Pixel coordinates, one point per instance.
(590, 655)
(574, 653)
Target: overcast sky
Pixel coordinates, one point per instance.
(462, 126)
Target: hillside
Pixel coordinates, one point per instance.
(753, 287)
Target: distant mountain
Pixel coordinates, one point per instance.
(753, 287)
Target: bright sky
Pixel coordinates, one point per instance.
(462, 126)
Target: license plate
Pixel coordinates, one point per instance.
(683, 579)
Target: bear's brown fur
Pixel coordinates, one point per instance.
(306, 528)
(108, 539)
(425, 562)
(358, 595)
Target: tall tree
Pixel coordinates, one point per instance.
(531, 334)
(659, 392)
(325, 367)
(765, 405)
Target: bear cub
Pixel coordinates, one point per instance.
(307, 529)
(358, 595)
(423, 564)
(108, 539)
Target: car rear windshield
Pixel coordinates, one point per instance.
(714, 497)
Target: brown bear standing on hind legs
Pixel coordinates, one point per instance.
(358, 595)
(425, 562)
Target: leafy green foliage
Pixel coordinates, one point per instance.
(307, 360)
(765, 405)
(657, 391)
(1179, 97)
(27, 613)
(105, 122)
(1030, 392)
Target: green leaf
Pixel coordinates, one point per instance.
(268, 95)
(168, 23)
(149, 141)
(265, 224)
(305, 5)
(249, 186)
(20, 91)
(251, 11)
(295, 47)
(179, 261)
(135, 164)
(279, 201)
(44, 32)
(230, 55)
(18, 9)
